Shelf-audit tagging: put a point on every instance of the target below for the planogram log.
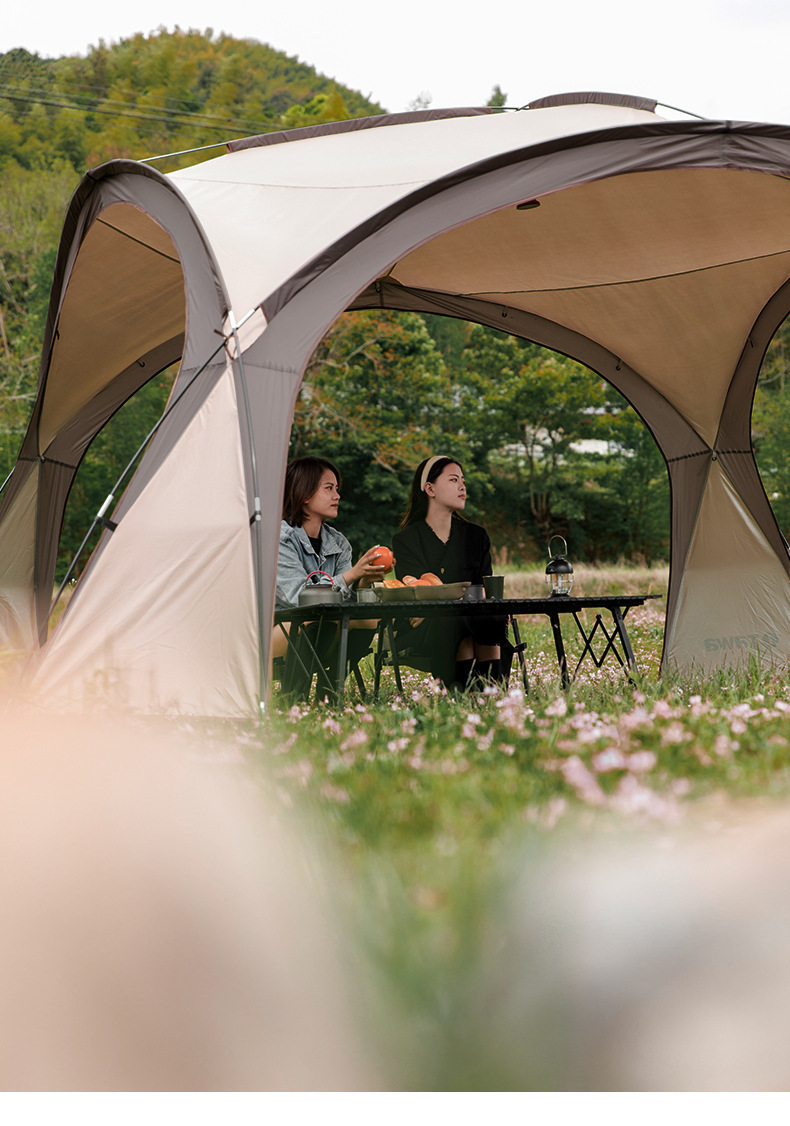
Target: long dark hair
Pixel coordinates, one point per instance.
(418, 499)
(302, 478)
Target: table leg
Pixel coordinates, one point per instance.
(379, 659)
(619, 621)
(519, 648)
(394, 655)
(342, 657)
(559, 645)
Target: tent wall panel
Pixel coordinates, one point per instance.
(179, 636)
(17, 566)
(728, 552)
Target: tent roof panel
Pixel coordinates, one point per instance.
(295, 198)
(125, 296)
(626, 228)
(671, 330)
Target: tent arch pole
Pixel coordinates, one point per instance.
(256, 515)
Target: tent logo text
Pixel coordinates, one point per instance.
(754, 641)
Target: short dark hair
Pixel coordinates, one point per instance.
(418, 499)
(302, 478)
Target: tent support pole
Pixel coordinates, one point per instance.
(256, 515)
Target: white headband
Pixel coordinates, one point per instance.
(428, 467)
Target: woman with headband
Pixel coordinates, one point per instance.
(435, 538)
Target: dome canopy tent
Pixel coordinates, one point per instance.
(653, 251)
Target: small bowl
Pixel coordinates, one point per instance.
(367, 594)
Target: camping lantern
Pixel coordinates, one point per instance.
(559, 572)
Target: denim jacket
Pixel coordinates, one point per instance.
(297, 559)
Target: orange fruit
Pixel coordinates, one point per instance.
(385, 558)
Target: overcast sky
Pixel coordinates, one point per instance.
(716, 58)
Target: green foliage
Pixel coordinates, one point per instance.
(376, 401)
(497, 99)
(31, 215)
(165, 92)
(771, 426)
(107, 457)
(565, 453)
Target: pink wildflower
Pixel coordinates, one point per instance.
(610, 759)
(641, 761)
(355, 739)
(583, 781)
(663, 709)
(724, 746)
(558, 707)
(674, 733)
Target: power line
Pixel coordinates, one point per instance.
(123, 109)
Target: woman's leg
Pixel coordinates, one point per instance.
(464, 663)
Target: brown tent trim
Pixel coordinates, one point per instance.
(354, 125)
(628, 101)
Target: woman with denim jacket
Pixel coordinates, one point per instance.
(309, 544)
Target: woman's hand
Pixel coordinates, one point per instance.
(367, 570)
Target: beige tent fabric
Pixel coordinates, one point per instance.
(734, 602)
(113, 274)
(658, 255)
(293, 199)
(170, 624)
(17, 622)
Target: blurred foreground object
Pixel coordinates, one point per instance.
(156, 930)
(644, 964)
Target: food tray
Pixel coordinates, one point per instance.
(446, 591)
(395, 593)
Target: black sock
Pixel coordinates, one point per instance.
(463, 670)
(489, 672)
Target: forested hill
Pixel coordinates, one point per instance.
(140, 97)
(546, 446)
(155, 94)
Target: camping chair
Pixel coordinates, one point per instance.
(302, 661)
(390, 655)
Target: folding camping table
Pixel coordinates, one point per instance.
(601, 642)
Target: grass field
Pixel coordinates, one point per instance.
(554, 890)
(435, 808)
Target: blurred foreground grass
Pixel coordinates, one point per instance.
(442, 832)
(434, 807)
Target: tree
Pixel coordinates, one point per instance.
(771, 426)
(562, 450)
(376, 401)
(497, 99)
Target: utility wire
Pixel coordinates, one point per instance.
(121, 109)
